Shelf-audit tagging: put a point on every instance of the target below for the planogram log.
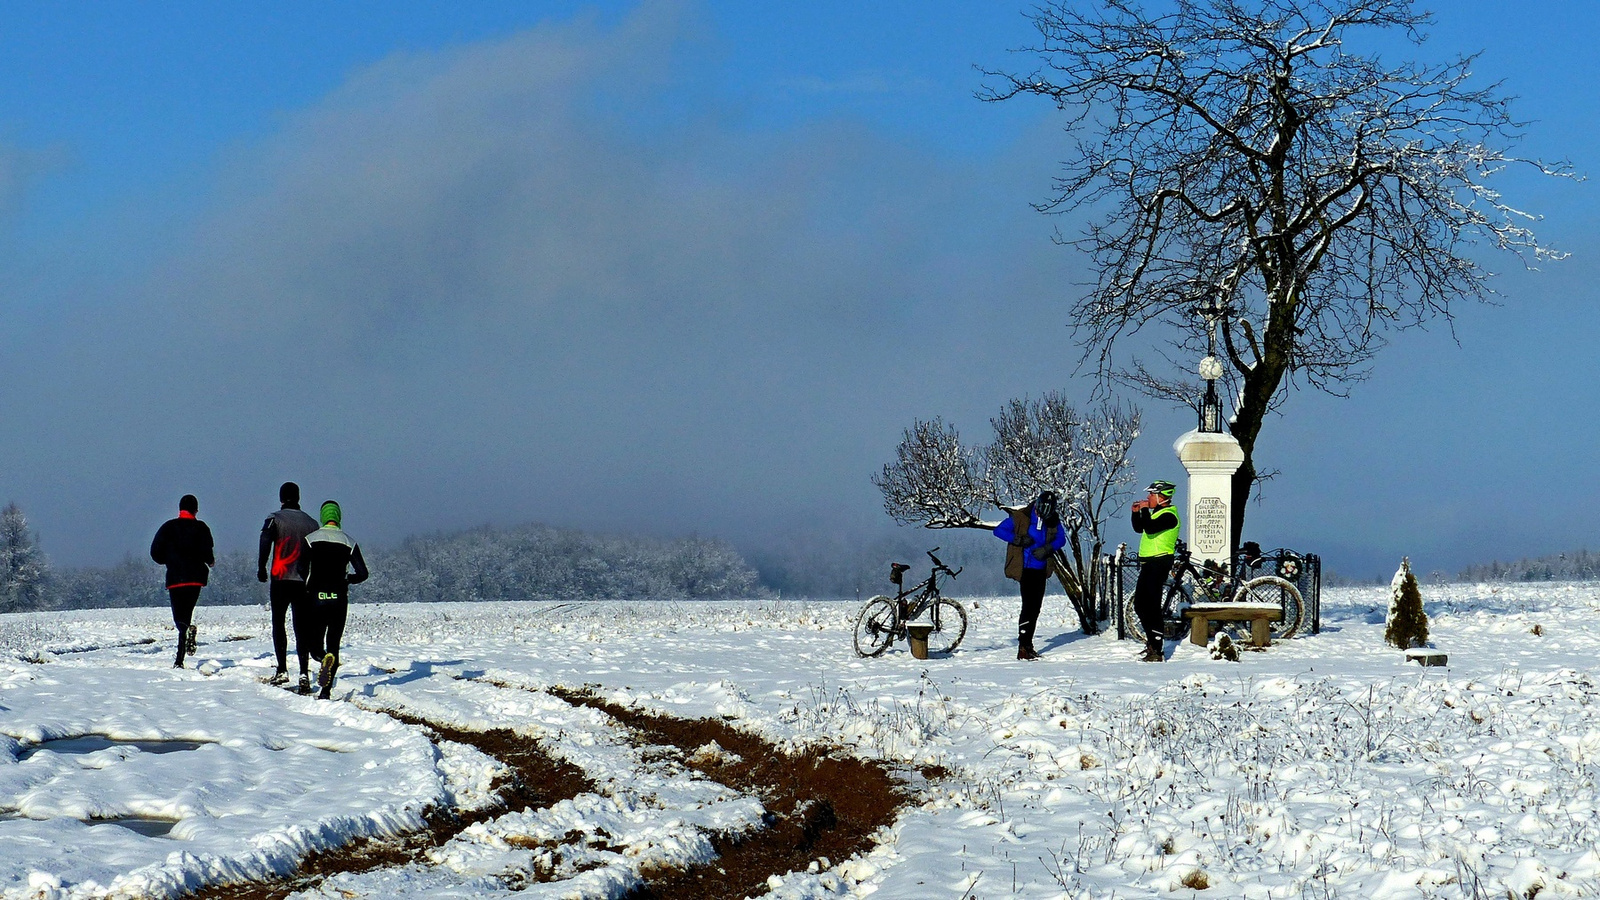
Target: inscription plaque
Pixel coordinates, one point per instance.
(1211, 527)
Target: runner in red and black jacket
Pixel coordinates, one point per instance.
(280, 549)
(184, 546)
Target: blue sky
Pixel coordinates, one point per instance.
(665, 267)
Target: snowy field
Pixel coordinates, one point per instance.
(1322, 767)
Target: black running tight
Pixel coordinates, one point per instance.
(184, 597)
(329, 627)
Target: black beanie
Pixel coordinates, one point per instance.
(189, 504)
(289, 493)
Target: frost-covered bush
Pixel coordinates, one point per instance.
(23, 570)
(1407, 624)
(540, 562)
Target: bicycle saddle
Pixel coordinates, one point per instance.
(897, 572)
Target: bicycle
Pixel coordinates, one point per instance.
(883, 619)
(1208, 583)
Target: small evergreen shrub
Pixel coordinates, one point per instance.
(1407, 625)
(1224, 648)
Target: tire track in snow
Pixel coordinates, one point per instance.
(820, 808)
(537, 780)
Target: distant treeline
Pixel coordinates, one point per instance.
(839, 565)
(539, 562)
(528, 562)
(1575, 565)
(1331, 578)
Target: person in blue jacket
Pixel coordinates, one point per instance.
(1032, 534)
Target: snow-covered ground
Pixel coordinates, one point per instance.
(1321, 767)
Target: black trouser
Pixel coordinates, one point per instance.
(183, 598)
(1033, 582)
(1153, 571)
(328, 628)
(284, 596)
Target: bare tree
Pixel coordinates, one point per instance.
(1243, 152)
(1043, 444)
(23, 569)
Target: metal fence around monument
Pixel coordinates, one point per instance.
(1120, 573)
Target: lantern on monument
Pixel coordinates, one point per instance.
(1211, 369)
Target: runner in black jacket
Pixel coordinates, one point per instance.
(332, 563)
(184, 546)
(281, 538)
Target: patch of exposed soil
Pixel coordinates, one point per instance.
(537, 780)
(818, 805)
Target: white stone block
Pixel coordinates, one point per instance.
(1427, 657)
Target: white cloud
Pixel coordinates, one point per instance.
(467, 287)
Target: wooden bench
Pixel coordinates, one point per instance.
(1201, 615)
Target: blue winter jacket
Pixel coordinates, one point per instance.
(1007, 531)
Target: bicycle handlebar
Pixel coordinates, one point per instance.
(939, 566)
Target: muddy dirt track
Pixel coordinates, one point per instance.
(819, 807)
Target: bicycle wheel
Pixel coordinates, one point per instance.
(875, 627)
(1272, 589)
(949, 626)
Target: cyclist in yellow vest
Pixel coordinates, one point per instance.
(1156, 521)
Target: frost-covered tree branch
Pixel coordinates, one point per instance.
(1247, 152)
(934, 481)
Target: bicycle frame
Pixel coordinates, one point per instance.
(1218, 583)
(927, 587)
(925, 592)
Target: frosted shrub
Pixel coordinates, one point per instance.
(1407, 624)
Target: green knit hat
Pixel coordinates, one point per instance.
(329, 514)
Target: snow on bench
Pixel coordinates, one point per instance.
(1201, 615)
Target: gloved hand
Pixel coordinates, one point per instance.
(1041, 553)
(261, 575)
(1024, 540)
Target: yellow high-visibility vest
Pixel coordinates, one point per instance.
(1162, 543)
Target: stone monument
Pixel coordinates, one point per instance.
(1210, 457)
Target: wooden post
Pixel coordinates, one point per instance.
(1258, 632)
(917, 633)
